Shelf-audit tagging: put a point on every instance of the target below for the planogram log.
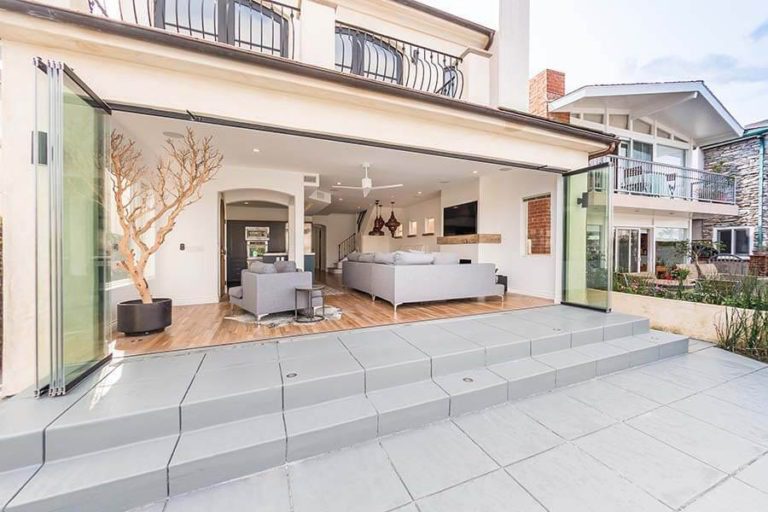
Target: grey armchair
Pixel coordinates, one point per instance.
(262, 294)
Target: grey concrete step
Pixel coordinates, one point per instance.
(232, 411)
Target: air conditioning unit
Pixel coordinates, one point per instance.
(316, 202)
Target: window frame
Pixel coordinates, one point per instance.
(750, 233)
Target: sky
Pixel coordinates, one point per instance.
(723, 42)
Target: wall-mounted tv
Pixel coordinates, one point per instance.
(460, 219)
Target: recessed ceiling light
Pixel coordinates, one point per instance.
(256, 150)
(173, 135)
(245, 202)
(419, 192)
(341, 199)
(445, 182)
(338, 183)
(475, 172)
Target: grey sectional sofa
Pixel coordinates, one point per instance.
(402, 282)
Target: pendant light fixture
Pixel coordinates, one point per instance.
(392, 224)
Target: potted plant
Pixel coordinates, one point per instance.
(147, 203)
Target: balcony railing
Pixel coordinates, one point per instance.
(379, 57)
(258, 25)
(654, 179)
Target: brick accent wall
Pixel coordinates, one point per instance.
(739, 159)
(547, 86)
(539, 225)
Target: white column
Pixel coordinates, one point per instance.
(17, 206)
(476, 67)
(511, 55)
(317, 33)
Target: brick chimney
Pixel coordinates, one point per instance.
(547, 86)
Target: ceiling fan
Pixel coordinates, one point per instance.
(367, 184)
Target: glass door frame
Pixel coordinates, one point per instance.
(640, 231)
(48, 152)
(608, 188)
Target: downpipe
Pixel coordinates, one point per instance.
(761, 191)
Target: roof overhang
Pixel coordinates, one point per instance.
(686, 107)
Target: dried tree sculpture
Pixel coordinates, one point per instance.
(147, 198)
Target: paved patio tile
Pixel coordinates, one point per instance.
(240, 354)
(616, 402)
(472, 390)
(391, 361)
(672, 372)
(268, 489)
(737, 420)
(748, 392)
(731, 496)
(153, 368)
(12, 481)
(718, 369)
(310, 346)
(571, 366)
(756, 474)
(718, 448)
(653, 388)
(565, 416)
(640, 351)
(526, 377)
(730, 357)
(500, 345)
(436, 457)
(566, 479)
(450, 353)
(667, 474)
(496, 492)
(698, 345)
(232, 393)
(543, 338)
(507, 434)
(608, 358)
(409, 406)
(310, 380)
(353, 479)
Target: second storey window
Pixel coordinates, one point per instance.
(366, 55)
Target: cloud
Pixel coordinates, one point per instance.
(760, 32)
(720, 68)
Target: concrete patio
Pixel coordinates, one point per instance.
(557, 407)
(689, 433)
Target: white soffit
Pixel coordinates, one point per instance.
(686, 107)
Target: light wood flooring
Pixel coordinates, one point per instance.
(205, 325)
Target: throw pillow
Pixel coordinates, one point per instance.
(413, 258)
(445, 258)
(259, 267)
(285, 266)
(385, 258)
(365, 257)
(353, 256)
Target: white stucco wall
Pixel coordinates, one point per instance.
(338, 227)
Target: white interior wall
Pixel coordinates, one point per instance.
(500, 210)
(277, 214)
(338, 227)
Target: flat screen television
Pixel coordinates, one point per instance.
(460, 219)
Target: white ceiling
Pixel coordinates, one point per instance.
(335, 162)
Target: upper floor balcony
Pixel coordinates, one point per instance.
(656, 185)
(274, 28)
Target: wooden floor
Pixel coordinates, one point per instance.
(205, 325)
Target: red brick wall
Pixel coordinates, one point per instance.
(540, 224)
(547, 86)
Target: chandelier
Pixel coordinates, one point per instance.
(392, 224)
(378, 223)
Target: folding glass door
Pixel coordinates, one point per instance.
(587, 268)
(70, 158)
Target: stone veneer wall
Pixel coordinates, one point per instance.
(739, 159)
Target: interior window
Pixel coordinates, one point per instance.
(670, 155)
(642, 151)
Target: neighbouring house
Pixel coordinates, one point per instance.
(300, 97)
(744, 159)
(663, 192)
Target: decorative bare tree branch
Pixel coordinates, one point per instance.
(145, 199)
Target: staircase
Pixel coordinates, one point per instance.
(150, 427)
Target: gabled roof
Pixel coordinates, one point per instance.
(686, 107)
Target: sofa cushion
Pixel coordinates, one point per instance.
(365, 257)
(445, 258)
(285, 266)
(353, 256)
(385, 258)
(236, 292)
(413, 258)
(259, 267)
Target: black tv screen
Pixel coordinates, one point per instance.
(460, 219)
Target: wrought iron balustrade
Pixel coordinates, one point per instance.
(379, 57)
(259, 25)
(655, 179)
